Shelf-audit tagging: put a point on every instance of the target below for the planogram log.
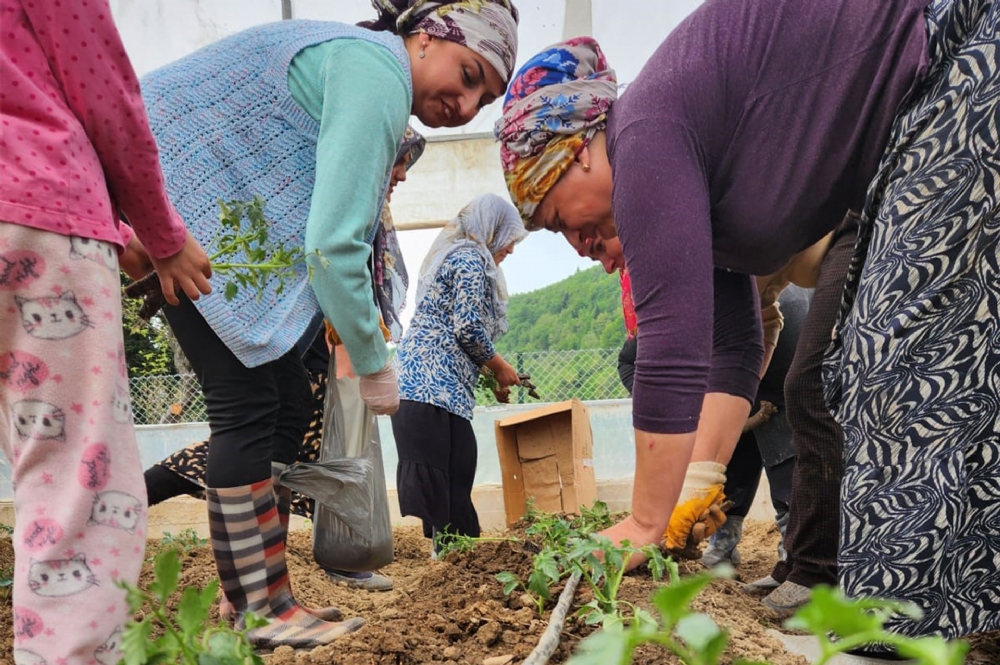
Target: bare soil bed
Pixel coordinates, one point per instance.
(454, 611)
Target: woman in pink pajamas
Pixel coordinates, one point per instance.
(75, 150)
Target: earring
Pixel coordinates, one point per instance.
(423, 48)
(585, 167)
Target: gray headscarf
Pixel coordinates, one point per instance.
(487, 224)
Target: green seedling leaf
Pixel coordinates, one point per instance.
(223, 649)
(192, 613)
(136, 643)
(644, 621)
(591, 613)
(509, 582)
(605, 647)
(133, 596)
(538, 584)
(934, 650)
(548, 566)
(167, 571)
(702, 634)
(672, 601)
(829, 611)
(655, 561)
(254, 620)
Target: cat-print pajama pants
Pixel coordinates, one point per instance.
(67, 434)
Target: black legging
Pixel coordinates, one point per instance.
(255, 414)
(163, 484)
(812, 539)
(743, 478)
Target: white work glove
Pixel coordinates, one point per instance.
(700, 509)
(380, 391)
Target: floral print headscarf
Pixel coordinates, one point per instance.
(556, 103)
(388, 270)
(488, 27)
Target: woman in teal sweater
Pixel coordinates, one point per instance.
(308, 115)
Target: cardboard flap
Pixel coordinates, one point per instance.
(542, 484)
(542, 438)
(541, 412)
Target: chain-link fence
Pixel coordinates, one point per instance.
(588, 374)
(174, 398)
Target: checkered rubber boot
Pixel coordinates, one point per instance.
(249, 545)
(283, 499)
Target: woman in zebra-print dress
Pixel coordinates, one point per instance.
(914, 375)
(748, 135)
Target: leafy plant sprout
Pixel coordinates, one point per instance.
(839, 623)
(187, 637)
(573, 546)
(448, 541)
(185, 541)
(263, 260)
(241, 252)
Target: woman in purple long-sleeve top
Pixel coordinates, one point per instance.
(747, 136)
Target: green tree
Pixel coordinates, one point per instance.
(580, 312)
(147, 351)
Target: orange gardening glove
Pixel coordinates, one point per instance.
(699, 511)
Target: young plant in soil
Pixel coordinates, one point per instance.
(263, 260)
(185, 637)
(695, 639)
(602, 565)
(185, 541)
(570, 547)
(692, 637)
(447, 541)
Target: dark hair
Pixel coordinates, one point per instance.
(390, 10)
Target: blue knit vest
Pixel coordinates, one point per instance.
(228, 128)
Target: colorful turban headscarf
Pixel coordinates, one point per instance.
(488, 27)
(556, 103)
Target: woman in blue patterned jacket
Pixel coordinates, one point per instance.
(461, 311)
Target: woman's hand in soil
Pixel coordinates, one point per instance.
(505, 375)
(188, 269)
(636, 534)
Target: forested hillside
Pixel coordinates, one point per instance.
(581, 312)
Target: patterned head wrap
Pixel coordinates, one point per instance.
(487, 224)
(412, 147)
(488, 27)
(388, 270)
(556, 103)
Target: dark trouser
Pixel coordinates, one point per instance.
(255, 414)
(163, 484)
(814, 515)
(743, 478)
(437, 466)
